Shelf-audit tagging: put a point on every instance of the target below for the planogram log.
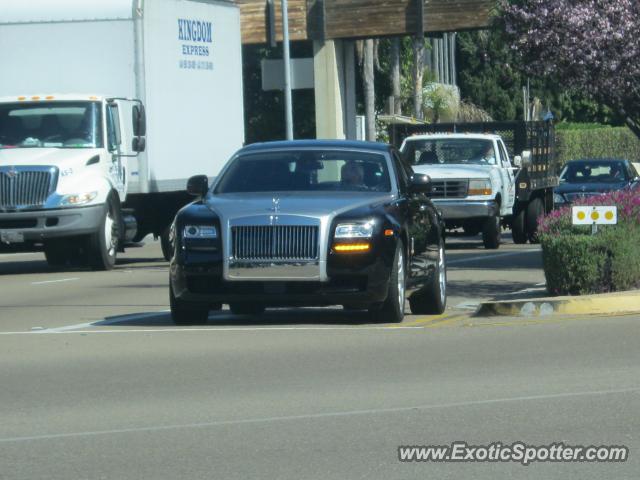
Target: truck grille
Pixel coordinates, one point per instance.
(25, 187)
(449, 188)
(274, 242)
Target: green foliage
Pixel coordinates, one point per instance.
(577, 264)
(587, 141)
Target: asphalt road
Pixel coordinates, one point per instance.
(97, 383)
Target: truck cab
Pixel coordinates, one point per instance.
(64, 163)
(473, 182)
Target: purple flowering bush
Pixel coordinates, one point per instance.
(577, 262)
(590, 45)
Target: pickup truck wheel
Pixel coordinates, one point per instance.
(185, 314)
(491, 231)
(246, 308)
(518, 229)
(392, 310)
(102, 245)
(432, 300)
(535, 210)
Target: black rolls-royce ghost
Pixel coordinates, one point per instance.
(309, 223)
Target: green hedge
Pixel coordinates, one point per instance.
(575, 141)
(579, 263)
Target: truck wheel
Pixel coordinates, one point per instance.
(392, 310)
(57, 253)
(246, 308)
(518, 229)
(535, 210)
(102, 245)
(166, 243)
(491, 232)
(183, 313)
(433, 298)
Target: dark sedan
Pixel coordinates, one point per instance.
(307, 223)
(587, 178)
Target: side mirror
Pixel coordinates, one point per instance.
(139, 120)
(198, 185)
(517, 161)
(138, 144)
(420, 183)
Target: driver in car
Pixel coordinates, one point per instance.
(352, 174)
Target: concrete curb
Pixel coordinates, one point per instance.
(602, 304)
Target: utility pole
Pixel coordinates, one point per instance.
(287, 71)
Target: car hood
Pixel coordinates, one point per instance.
(589, 188)
(313, 204)
(57, 157)
(438, 172)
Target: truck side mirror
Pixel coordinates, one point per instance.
(420, 183)
(139, 121)
(198, 185)
(517, 161)
(139, 144)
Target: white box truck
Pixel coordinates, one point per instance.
(83, 168)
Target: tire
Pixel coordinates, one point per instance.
(102, 246)
(392, 309)
(246, 308)
(432, 300)
(491, 233)
(519, 228)
(57, 253)
(535, 210)
(166, 243)
(183, 313)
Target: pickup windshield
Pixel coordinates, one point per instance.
(50, 125)
(450, 151)
(307, 171)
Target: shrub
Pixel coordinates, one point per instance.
(592, 141)
(576, 262)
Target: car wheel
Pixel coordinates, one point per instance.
(535, 210)
(432, 300)
(392, 310)
(183, 313)
(518, 229)
(246, 308)
(491, 233)
(102, 245)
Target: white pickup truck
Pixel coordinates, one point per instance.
(473, 179)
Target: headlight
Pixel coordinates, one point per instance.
(557, 198)
(354, 230)
(480, 187)
(200, 231)
(78, 198)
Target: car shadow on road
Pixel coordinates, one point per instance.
(224, 318)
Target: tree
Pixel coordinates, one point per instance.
(588, 44)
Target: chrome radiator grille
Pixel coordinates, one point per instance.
(274, 242)
(28, 187)
(449, 188)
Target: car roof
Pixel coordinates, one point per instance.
(316, 144)
(440, 135)
(598, 160)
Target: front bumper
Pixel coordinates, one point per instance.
(204, 284)
(464, 209)
(38, 225)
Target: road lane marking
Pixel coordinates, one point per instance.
(60, 280)
(491, 257)
(324, 415)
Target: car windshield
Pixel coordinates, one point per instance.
(307, 171)
(50, 125)
(450, 151)
(594, 172)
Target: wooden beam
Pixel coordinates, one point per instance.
(334, 19)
